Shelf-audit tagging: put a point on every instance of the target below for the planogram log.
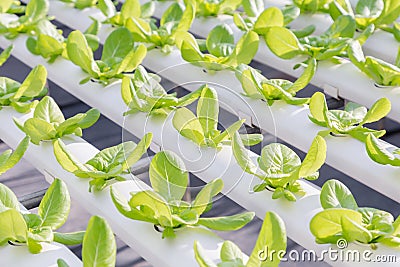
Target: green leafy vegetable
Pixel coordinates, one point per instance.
(349, 121)
(8, 158)
(202, 129)
(374, 14)
(280, 168)
(99, 247)
(19, 96)
(382, 152)
(175, 19)
(272, 236)
(382, 72)
(105, 167)
(34, 229)
(256, 86)
(48, 122)
(144, 93)
(207, 8)
(11, 25)
(5, 54)
(82, 4)
(222, 51)
(164, 206)
(343, 219)
(119, 56)
(129, 9)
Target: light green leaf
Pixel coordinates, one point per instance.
(283, 43)
(278, 160)
(39, 130)
(81, 54)
(13, 226)
(33, 84)
(208, 109)
(305, 77)
(242, 155)
(270, 17)
(7, 161)
(378, 110)
(253, 8)
(220, 41)
(334, 194)
(69, 239)
(55, 205)
(8, 200)
(168, 175)
(203, 200)
(230, 252)
(315, 157)
(99, 248)
(201, 256)
(188, 125)
(272, 236)
(354, 231)
(227, 223)
(117, 45)
(48, 111)
(378, 153)
(327, 223)
(6, 52)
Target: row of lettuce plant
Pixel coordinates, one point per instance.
(296, 167)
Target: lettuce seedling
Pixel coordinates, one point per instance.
(20, 227)
(119, 56)
(259, 20)
(331, 45)
(99, 247)
(349, 121)
(8, 158)
(256, 86)
(175, 19)
(129, 9)
(82, 4)
(343, 219)
(48, 122)
(382, 152)
(272, 236)
(208, 8)
(107, 166)
(49, 42)
(313, 6)
(202, 129)
(382, 72)
(144, 93)
(280, 168)
(19, 96)
(163, 206)
(11, 25)
(222, 51)
(377, 13)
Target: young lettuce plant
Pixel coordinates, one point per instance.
(256, 86)
(22, 228)
(8, 158)
(11, 25)
(222, 51)
(202, 129)
(378, 13)
(280, 168)
(343, 219)
(331, 45)
(98, 247)
(208, 8)
(175, 19)
(163, 206)
(272, 236)
(144, 93)
(48, 122)
(129, 9)
(382, 72)
(382, 152)
(19, 96)
(349, 121)
(49, 42)
(107, 166)
(259, 20)
(119, 56)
